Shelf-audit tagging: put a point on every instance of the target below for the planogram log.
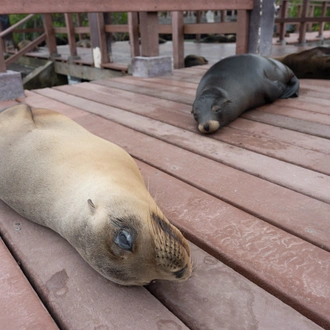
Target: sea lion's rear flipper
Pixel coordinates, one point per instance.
(291, 88)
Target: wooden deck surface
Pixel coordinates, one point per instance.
(253, 199)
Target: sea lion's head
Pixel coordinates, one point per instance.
(209, 110)
(134, 244)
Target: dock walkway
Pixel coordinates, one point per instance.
(253, 199)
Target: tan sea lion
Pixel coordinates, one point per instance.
(239, 83)
(311, 64)
(90, 191)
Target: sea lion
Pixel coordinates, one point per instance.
(238, 83)
(90, 191)
(310, 64)
(193, 60)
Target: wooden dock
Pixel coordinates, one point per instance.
(253, 199)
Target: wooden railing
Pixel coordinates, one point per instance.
(148, 28)
(304, 18)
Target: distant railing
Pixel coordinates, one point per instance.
(305, 17)
(142, 23)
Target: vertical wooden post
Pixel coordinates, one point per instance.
(198, 20)
(98, 39)
(79, 24)
(178, 39)
(298, 15)
(283, 14)
(324, 12)
(133, 30)
(107, 37)
(242, 36)
(3, 67)
(302, 29)
(50, 35)
(149, 33)
(71, 35)
(310, 13)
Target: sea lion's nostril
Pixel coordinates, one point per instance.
(207, 127)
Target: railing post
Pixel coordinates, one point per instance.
(71, 36)
(3, 67)
(133, 30)
(242, 36)
(198, 20)
(149, 33)
(302, 29)
(50, 35)
(324, 12)
(283, 14)
(178, 39)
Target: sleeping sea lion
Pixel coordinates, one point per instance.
(238, 83)
(312, 63)
(90, 191)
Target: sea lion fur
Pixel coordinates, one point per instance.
(90, 191)
(239, 83)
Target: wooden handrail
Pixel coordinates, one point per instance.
(13, 27)
(78, 6)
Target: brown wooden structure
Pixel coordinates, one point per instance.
(147, 26)
(304, 18)
(253, 199)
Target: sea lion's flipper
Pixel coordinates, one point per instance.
(291, 89)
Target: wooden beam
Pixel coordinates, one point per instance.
(78, 6)
(26, 49)
(3, 67)
(13, 27)
(50, 34)
(302, 30)
(71, 36)
(149, 33)
(242, 37)
(133, 29)
(178, 39)
(210, 28)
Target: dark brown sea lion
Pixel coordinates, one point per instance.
(91, 192)
(312, 63)
(238, 83)
(193, 60)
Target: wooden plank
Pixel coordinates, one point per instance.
(294, 124)
(144, 90)
(20, 307)
(250, 245)
(77, 6)
(188, 141)
(208, 28)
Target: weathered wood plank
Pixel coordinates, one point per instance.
(20, 307)
(77, 6)
(269, 256)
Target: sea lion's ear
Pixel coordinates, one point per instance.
(91, 206)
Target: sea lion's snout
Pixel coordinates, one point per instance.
(209, 127)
